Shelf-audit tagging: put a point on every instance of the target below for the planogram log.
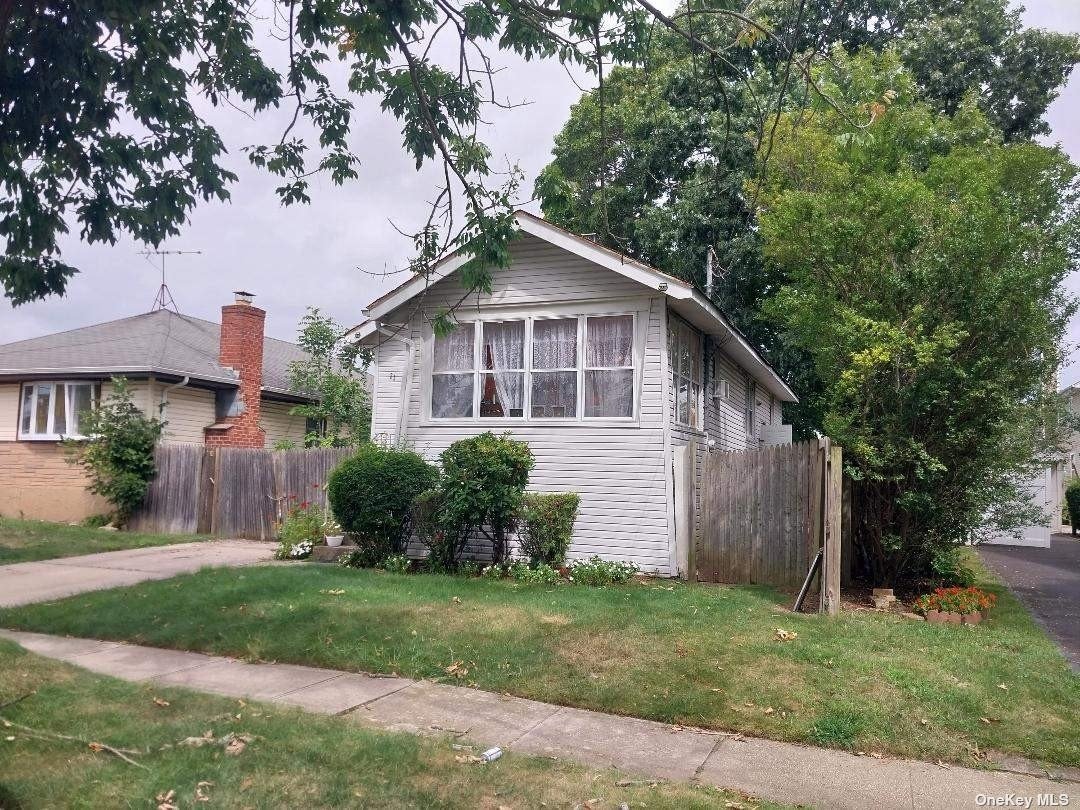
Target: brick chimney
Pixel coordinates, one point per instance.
(241, 350)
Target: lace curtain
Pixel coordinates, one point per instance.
(609, 343)
(504, 353)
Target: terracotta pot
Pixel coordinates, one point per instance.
(936, 617)
(973, 618)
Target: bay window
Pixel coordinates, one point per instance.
(53, 410)
(537, 369)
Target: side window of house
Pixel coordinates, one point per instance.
(751, 398)
(684, 352)
(539, 368)
(54, 410)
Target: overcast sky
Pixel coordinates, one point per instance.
(341, 251)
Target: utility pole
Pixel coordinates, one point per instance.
(164, 298)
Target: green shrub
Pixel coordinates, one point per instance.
(96, 521)
(1072, 501)
(119, 455)
(396, 564)
(484, 480)
(493, 571)
(542, 574)
(444, 542)
(949, 566)
(372, 494)
(595, 571)
(547, 526)
(470, 568)
(294, 550)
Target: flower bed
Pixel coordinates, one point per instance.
(955, 605)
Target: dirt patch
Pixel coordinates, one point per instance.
(559, 619)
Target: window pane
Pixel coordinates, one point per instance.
(609, 341)
(502, 394)
(41, 415)
(554, 395)
(609, 393)
(27, 408)
(681, 400)
(59, 408)
(555, 343)
(451, 395)
(81, 403)
(455, 351)
(695, 392)
(503, 346)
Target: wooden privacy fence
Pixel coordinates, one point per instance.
(765, 514)
(231, 492)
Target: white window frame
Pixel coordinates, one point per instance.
(695, 382)
(579, 313)
(50, 434)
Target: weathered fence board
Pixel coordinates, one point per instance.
(232, 492)
(171, 505)
(765, 513)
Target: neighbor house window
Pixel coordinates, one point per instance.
(536, 369)
(53, 410)
(684, 353)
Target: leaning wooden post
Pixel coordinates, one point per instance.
(834, 485)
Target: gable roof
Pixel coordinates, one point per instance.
(162, 343)
(682, 297)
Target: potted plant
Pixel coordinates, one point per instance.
(332, 531)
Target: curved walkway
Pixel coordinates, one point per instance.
(23, 583)
(781, 772)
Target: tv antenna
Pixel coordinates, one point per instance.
(164, 298)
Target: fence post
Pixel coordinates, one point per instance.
(834, 482)
(691, 508)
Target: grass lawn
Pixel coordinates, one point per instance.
(29, 540)
(294, 760)
(699, 655)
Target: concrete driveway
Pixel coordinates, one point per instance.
(23, 583)
(1047, 581)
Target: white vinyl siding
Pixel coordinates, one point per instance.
(280, 425)
(9, 411)
(617, 466)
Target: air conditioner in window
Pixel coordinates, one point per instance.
(720, 389)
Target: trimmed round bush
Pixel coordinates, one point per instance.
(547, 526)
(1072, 503)
(372, 493)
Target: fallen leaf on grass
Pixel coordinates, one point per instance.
(333, 591)
(457, 669)
(1003, 687)
(785, 635)
(769, 710)
(200, 791)
(165, 800)
(455, 600)
(160, 702)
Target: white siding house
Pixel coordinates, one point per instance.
(604, 366)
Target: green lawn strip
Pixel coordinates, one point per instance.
(666, 651)
(294, 760)
(30, 540)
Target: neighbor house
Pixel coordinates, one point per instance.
(223, 385)
(608, 368)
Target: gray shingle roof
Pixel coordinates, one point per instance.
(160, 342)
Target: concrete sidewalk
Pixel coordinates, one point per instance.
(781, 772)
(23, 583)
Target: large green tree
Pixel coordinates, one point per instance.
(104, 132)
(922, 259)
(656, 160)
